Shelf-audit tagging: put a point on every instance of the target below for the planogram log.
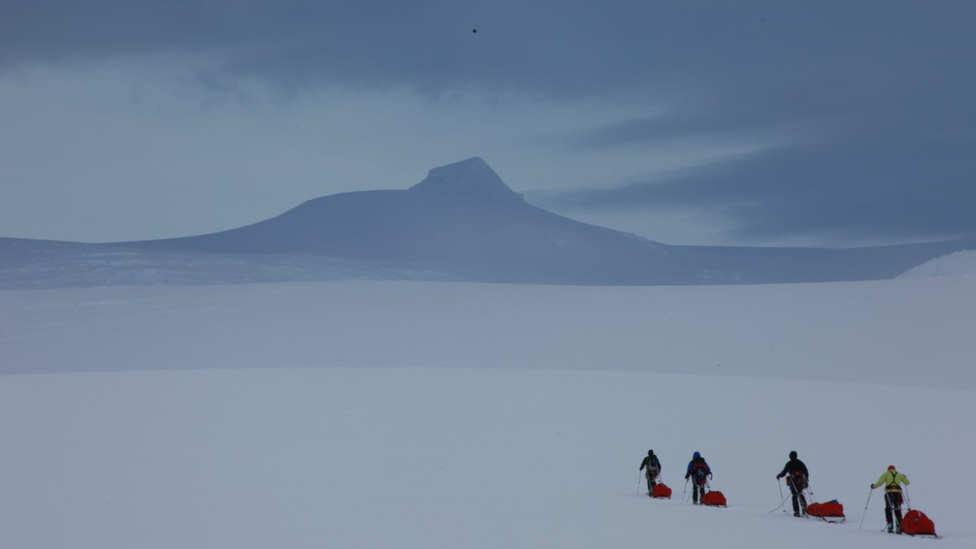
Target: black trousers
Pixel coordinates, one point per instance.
(651, 479)
(799, 501)
(893, 501)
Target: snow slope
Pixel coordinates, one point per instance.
(417, 415)
(955, 264)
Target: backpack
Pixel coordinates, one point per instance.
(699, 470)
(917, 523)
(798, 480)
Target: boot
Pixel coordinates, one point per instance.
(888, 528)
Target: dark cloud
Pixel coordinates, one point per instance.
(894, 165)
(874, 135)
(901, 188)
(426, 45)
(697, 58)
(549, 46)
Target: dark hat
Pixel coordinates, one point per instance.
(793, 454)
(650, 452)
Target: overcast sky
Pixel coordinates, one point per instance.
(688, 122)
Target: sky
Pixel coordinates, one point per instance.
(702, 122)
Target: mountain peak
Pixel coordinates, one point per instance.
(471, 177)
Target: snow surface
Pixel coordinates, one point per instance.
(424, 414)
(954, 264)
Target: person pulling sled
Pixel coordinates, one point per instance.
(698, 472)
(652, 469)
(892, 480)
(797, 478)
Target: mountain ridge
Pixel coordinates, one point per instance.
(462, 222)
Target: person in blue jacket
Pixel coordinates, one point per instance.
(698, 471)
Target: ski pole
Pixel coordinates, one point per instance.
(865, 509)
(683, 494)
(908, 501)
(638, 482)
(780, 486)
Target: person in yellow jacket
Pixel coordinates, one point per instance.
(892, 480)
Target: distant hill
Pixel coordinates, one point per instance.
(462, 219)
(462, 222)
(961, 264)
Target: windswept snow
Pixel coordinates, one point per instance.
(419, 415)
(911, 332)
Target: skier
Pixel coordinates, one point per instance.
(652, 468)
(797, 478)
(892, 481)
(698, 470)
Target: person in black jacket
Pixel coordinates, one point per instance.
(652, 468)
(797, 478)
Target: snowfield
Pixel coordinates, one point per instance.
(426, 414)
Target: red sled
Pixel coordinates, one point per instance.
(917, 523)
(661, 491)
(831, 511)
(715, 499)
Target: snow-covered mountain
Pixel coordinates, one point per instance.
(462, 220)
(460, 223)
(955, 264)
